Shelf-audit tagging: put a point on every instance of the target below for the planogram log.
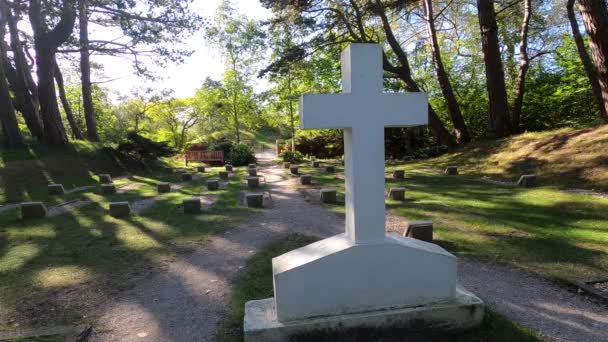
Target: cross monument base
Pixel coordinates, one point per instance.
(463, 311)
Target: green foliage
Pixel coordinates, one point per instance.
(138, 152)
(292, 157)
(323, 144)
(240, 155)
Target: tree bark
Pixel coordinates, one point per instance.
(28, 104)
(66, 104)
(10, 127)
(403, 71)
(460, 127)
(524, 65)
(595, 19)
(586, 60)
(46, 43)
(85, 72)
(495, 75)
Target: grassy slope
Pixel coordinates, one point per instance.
(50, 262)
(565, 157)
(256, 283)
(25, 174)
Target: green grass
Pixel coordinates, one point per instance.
(86, 247)
(256, 283)
(558, 235)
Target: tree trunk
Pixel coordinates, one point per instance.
(460, 127)
(45, 43)
(28, 104)
(444, 137)
(495, 75)
(524, 65)
(291, 114)
(586, 60)
(66, 104)
(595, 19)
(85, 72)
(10, 127)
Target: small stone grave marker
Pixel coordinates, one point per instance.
(120, 209)
(399, 174)
(253, 182)
(421, 230)
(32, 210)
(108, 189)
(252, 166)
(163, 187)
(330, 169)
(527, 181)
(315, 164)
(224, 175)
(293, 170)
(328, 195)
(105, 178)
(228, 167)
(192, 205)
(186, 177)
(451, 170)
(397, 194)
(200, 169)
(253, 172)
(255, 200)
(305, 179)
(56, 189)
(286, 165)
(213, 185)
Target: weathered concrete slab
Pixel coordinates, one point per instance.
(306, 179)
(421, 230)
(213, 185)
(108, 189)
(255, 200)
(56, 189)
(32, 210)
(120, 209)
(328, 195)
(397, 194)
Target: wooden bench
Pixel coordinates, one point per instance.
(205, 156)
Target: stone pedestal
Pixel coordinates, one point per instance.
(346, 277)
(255, 200)
(293, 170)
(328, 195)
(330, 169)
(286, 165)
(105, 178)
(451, 170)
(213, 185)
(421, 230)
(192, 205)
(224, 175)
(108, 189)
(253, 182)
(463, 311)
(527, 181)
(120, 209)
(399, 174)
(163, 187)
(228, 167)
(32, 210)
(397, 194)
(186, 177)
(252, 172)
(305, 179)
(200, 169)
(56, 189)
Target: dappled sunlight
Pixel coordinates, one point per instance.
(62, 276)
(17, 256)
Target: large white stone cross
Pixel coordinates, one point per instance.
(363, 111)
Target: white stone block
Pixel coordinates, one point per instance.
(346, 277)
(463, 311)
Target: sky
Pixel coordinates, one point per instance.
(185, 78)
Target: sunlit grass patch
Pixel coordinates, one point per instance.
(62, 276)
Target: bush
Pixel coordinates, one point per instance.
(241, 154)
(323, 144)
(292, 157)
(139, 152)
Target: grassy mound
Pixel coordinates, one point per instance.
(565, 157)
(25, 174)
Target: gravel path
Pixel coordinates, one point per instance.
(185, 301)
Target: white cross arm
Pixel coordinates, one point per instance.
(347, 110)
